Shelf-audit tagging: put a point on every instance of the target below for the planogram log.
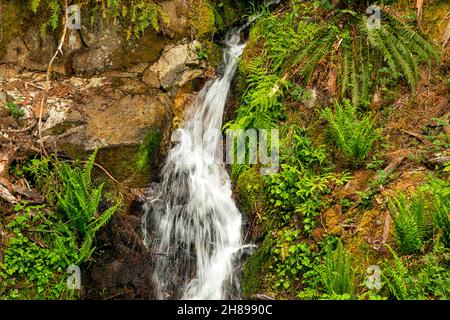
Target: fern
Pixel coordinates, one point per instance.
(79, 202)
(35, 5)
(398, 279)
(261, 101)
(300, 50)
(53, 22)
(354, 136)
(439, 191)
(410, 223)
(144, 15)
(345, 67)
(336, 274)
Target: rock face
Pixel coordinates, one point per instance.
(114, 114)
(116, 111)
(94, 49)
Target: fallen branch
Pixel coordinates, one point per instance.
(261, 296)
(29, 127)
(419, 136)
(386, 229)
(5, 194)
(12, 188)
(437, 160)
(389, 168)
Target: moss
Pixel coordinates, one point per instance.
(148, 150)
(14, 18)
(201, 18)
(250, 188)
(256, 266)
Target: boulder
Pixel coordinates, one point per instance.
(179, 64)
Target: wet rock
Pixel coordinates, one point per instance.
(120, 116)
(30, 51)
(114, 121)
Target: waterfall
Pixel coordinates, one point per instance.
(197, 226)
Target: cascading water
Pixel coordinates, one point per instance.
(196, 224)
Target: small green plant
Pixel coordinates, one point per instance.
(202, 53)
(353, 135)
(301, 191)
(377, 162)
(292, 259)
(79, 202)
(146, 14)
(300, 94)
(304, 151)
(410, 223)
(15, 110)
(428, 278)
(400, 282)
(41, 174)
(37, 255)
(439, 207)
(337, 273)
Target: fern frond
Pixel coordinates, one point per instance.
(409, 222)
(397, 278)
(375, 39)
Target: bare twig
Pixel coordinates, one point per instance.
(61, 42)
(116, 183)
(49, 71)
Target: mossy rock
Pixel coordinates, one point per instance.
(256, 267)
(250, 188)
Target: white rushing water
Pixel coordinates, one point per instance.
(197, 225)
(197, 228)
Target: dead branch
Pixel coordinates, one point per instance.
(109, 175)
(12, 188)
(5, 194)
(418, 136)
(261, 296)
(27, 128)
(437, 160)
(61, 42)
